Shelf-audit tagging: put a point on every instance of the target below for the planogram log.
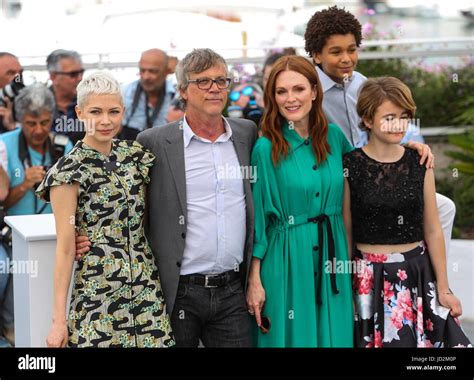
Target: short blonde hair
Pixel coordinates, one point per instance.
(98, 83)
(375, 91)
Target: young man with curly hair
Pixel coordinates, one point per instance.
(332, 39)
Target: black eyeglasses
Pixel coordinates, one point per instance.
(206, 83)
(71, 74)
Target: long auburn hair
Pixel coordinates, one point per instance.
(272, 120)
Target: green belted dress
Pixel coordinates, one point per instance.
(301, 240)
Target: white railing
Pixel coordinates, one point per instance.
(406, 48)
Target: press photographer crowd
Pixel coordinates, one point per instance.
(165, 250)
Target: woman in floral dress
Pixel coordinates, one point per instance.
(402, 296)
(98, 190)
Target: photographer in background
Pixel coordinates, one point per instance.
(31, 149)
(10, 74)
(246, 101)
(147, 100)
(65, 72)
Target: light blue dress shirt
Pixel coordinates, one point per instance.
(16, 172)
(138, 120)
(339, 105)
(216, 225)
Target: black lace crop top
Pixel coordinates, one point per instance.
(386, 198)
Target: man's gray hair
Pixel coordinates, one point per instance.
(52, 62)
(98, 83)
(34, 100)
(197, 61)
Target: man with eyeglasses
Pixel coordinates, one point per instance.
(147, 100)
(200, 209)
(65, 72)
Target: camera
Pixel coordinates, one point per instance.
(46, 168)
(252, 111)
(11, 90)
(246, 102)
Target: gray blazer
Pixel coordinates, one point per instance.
(166, 199)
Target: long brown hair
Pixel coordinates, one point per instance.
(272, 120)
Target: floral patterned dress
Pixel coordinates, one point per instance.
(397, 303)
(396, 300)
(117, 300)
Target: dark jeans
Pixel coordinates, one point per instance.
(216, 316)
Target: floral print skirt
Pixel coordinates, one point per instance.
(397, 305)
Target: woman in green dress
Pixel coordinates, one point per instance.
(98, 190)
(299, 279)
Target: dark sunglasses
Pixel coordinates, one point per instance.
(235, 95)
(71, 74)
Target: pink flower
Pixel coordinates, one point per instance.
(425, 343)
(374, 343)
(419, 305)
(402, 275)
(367, 28)
(364, 280)
(403, 310)
(387, 291)
(375, 258)
(404, 298)
(429, 325)
(419, 316)
(408, 314)
(378, 340)
(369, 12)
(397, 317)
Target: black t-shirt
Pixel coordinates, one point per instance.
(386, 198)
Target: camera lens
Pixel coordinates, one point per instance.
(11, 90)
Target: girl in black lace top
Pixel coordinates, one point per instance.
(402, 296)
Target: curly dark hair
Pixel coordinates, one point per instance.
(327, 22)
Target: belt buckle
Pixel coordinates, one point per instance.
(206, 282)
